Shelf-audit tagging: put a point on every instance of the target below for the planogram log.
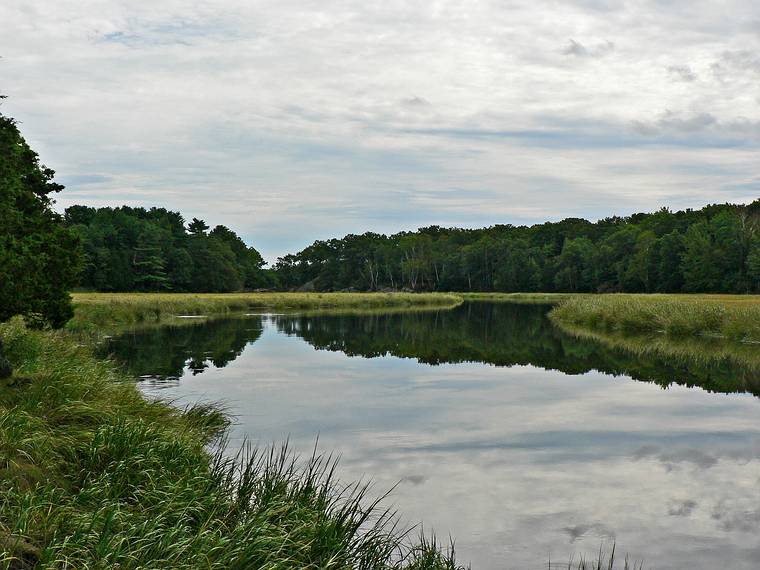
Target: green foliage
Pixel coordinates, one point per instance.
(248, 261)
(197, 227)
(5, 366)
(134, 249)
(735, 318)
(93, 475)
(715, 249)
(149, 265)
(753, 263)
(39, 257)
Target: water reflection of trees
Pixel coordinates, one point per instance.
(506, 335)
(166, 352)
(498, 334)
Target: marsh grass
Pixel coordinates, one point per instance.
(520, 298)
(93, 475)
(733, 317)
(95, 311)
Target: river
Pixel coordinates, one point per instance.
(521, 442)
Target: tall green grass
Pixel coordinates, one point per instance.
(731, 317)
(93, 475)
(521, 298)
(93, 311)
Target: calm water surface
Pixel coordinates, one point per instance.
(519, 441)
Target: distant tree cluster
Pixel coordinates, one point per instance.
(136, 249)
(715, 249)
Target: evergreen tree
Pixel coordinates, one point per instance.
(39, 256)
(148, 262)
(197, 227)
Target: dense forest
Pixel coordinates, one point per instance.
(134, 249)
(715, 249)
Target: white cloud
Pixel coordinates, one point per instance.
(295, 120)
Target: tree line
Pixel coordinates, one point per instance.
(714, 249)
(139, 249)
(43, 255)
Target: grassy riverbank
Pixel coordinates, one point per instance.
(733, 317)
(106, 310)
(522, 298)
(93, 475)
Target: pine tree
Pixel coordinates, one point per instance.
(149, 264)
(39, 256)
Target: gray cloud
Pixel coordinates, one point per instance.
(735, 66)
(681, 508)
(577, 49)
(598, 5)
(741, 131)
(414, 479)
(415, 102)
(682, 73)
(83, 179)
(670, 459)
(685, 123)
(741, 60)
(578, 531)
(732, 517)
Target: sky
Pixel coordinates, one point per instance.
(295, 120)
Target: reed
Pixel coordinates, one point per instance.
(733, 317)
(520, 298)
(94, 311)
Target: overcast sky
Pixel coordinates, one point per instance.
(296, 120)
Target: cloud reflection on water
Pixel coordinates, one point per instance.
(518, 463)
